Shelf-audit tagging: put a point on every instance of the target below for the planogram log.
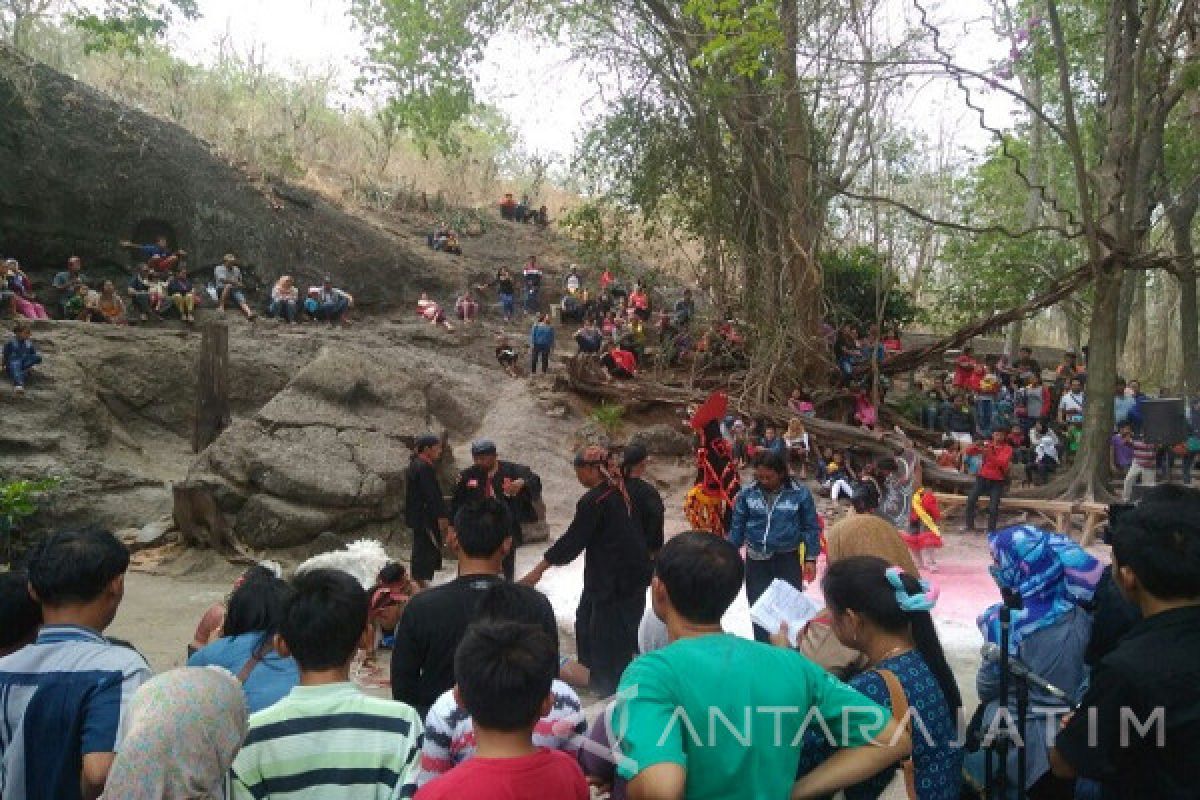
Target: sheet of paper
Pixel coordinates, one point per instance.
(780, 603)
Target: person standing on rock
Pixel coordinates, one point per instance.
(516, 486)
(425, 510)
(616, 572)
(541, 340)
(648, 504)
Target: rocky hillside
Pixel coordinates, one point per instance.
(79, 173)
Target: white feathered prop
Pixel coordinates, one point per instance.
(362, 559)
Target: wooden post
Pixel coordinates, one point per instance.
(212, 386)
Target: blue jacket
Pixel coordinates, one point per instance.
(17, 350)
(542, 335)
(790, 524)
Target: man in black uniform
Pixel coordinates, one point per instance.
(648, 504)
(425, 509)
(616, 572)
(516, 486)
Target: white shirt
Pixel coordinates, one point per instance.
(1072, 403)
(223, 274)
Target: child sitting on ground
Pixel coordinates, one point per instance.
(325, 735)
(840, 477)
(20, 356)
(923, 537)
(504, 673)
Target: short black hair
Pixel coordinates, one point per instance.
(776, 462)
(482, 526)
(504, 671)
(20, 612)
(256, 606)
(1160, 541)
(324, 619)
(76, 566)
(702, 574)
(515, 602)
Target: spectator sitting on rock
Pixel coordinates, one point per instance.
(571, 310)
(508, 207)
(20, 356)
(328, 303)
(620, 364)
(432, 312)
(139, 292)
(506, 354)
(67, 282)
(179, 289)
(22, 288)
(465, 307)
(284, 299)
(82, 305)
(111, 306)
(589, 338)
(228, 277)
(158, 255)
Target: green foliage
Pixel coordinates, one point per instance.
(742, 36)
(598, 230)
(608, 416)
(19, 499)
(420, 55)
(126, 26)
(855, 284)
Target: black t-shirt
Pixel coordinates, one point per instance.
(505, 285)
(649, 509)
(1156, 666)
(618, 563)
(472, 486)
(429, 632)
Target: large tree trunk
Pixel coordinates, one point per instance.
(1181, 216)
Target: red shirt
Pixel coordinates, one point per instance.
(545, 774)
(973, 381)
(995, 461)
(964, 366)
(625, 360)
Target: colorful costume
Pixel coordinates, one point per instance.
(924, 518)
(709, 503)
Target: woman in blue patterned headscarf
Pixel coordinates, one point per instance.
(1051, 573)
(1055, 579)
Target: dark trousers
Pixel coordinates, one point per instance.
(426, 552)
(759, 574)
(606, 630)
(544, 354)
(994, 490)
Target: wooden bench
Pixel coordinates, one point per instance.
(1060, 513)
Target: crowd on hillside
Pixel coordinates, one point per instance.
(860, 698)
(160, 287)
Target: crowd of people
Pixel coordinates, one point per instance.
(159, 287)
(859, 699)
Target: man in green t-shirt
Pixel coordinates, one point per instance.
(716, 716)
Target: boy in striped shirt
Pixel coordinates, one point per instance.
(326, 740)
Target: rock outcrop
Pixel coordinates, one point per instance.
(82, 172)
(328, 453)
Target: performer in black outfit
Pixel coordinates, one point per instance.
(425, 509)
(648, 506)
(516, 486)
(616, 572)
